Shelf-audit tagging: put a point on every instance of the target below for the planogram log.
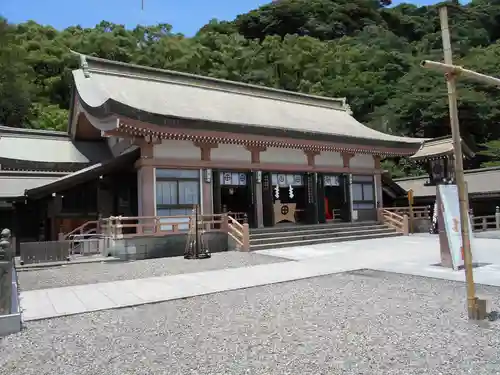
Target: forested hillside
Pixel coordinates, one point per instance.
(359, 49)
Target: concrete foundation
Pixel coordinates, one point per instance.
(172, 245)
(12, 323)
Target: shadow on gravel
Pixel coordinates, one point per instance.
(461, 268)
(365, 272)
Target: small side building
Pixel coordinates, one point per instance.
(30, 159)
(436, 156)
(483, 186)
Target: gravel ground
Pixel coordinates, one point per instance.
(89, 273)
(362, 322)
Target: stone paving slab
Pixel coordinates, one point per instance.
(380, 249)
(54, 302)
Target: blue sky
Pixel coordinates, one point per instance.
(186, 16)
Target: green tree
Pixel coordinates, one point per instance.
(15, 88)
(492, 152)
(48, 117)
(357, 49)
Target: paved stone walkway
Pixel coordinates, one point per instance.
(410, 255)
(47, 303)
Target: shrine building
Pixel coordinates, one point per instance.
(173, 140)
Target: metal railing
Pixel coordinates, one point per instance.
(59, 251)
(87, 244)
(88, 227)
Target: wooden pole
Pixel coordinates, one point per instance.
(197, 234)
(459, 167)
(459, 71)
(410, 205)
(411, 218)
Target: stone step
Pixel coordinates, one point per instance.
(315, 230)
(271, 245)
(291, 228)
(313, 235)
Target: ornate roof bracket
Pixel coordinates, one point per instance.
(346, 106)
(181, 136)
(171, 134)
(85, 66)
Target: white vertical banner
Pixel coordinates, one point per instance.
(451, 216)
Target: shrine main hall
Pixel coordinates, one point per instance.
(173, 140)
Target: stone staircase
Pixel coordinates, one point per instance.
(301, 235)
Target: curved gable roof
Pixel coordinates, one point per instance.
(102, 84)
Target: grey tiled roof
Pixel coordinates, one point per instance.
(101, 83)
(126, 159)
(417, 185)
(33, 132)
(49, 147)
(439, 147)
(479, 181)
(13, 183)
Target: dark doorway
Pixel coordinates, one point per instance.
(345, 210)
(7, 217)
(236, 195)
(235, 200)
(336, 198)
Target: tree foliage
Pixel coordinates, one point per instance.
(491, 150)
(357, 49)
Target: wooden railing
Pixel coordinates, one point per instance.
(479, 223)
(395, 220)
(240, 233)
(487, 222)
(125, 227)
(417, 212)
(240, 217)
